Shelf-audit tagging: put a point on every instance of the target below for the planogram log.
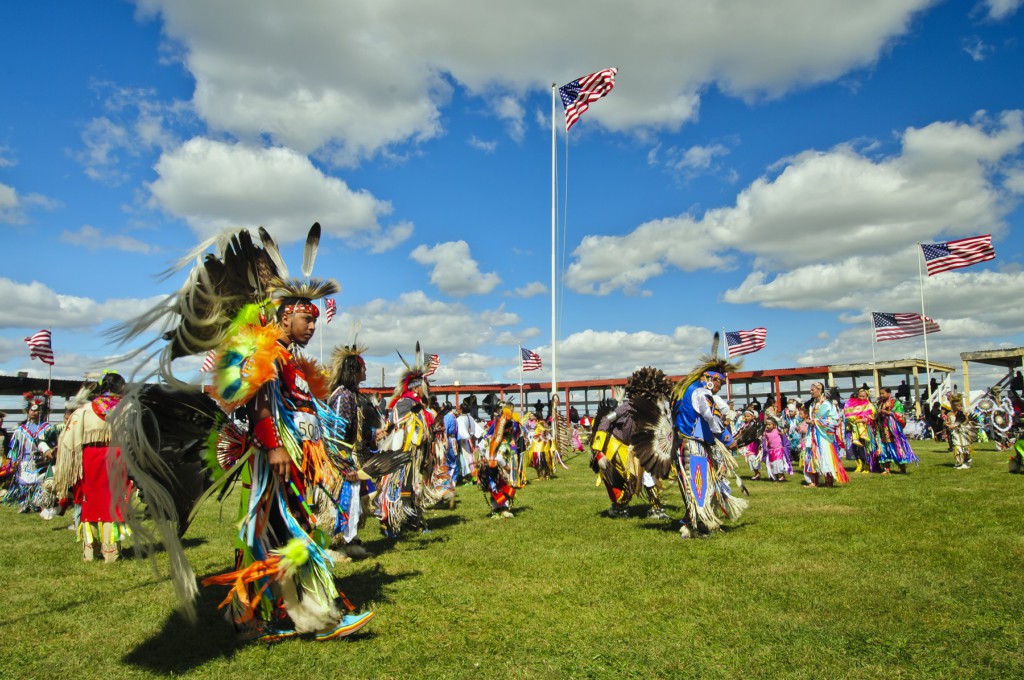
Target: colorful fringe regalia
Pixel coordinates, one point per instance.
(29, 464)
(859, 417)
(892, 442)
(282, 583)
(404, 493)
(823, 458)
(541, 458)
(612, 454)
(84, 464)
(700, 460)
(493, 478)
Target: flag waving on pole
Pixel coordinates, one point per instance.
(577, 95)
(530, 360)
(433, 362)
(330, 309)
(941, 257)
(39, 347)
(893, 326)
(745, 342)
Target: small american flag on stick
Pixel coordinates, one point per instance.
(330, 309)
(209, 361)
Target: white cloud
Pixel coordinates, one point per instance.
(453, 269)
(91, 238)
(529, 290)
(355, 78)
(481, 145)
(511, 111)
(1001, 9)
(824, 208)
(136, 123)
(977, 48)
(595, 354)
(13, 206)
(440, 327)
(213, 186)
(36, 305)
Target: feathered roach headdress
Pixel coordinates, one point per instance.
(649, 383)
(241, 282)
(346, 362)
(709, 365)
(38, 398)
(414, 376)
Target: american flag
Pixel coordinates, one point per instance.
(209, 362)
(941, 257)
(901, 325)
(433, 362)
(39, 347)
(330, 309)
(577, 95)
(745, 342)
(531, 360)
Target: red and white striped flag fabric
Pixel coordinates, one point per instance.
(433, 361)
(330, 308)
(893, 326)
(745, 342)
(941, 257)
(577, 95)
(531, 360)
(39, 347)
(209, 361)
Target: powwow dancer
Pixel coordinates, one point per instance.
(859, 417)
(342, 507)
(241, 303)
(960, 431)
(495, 469)
(689, 436)
(31, 454)
(823, 459)
(84, 460)
(775, 445)
(403, 494)
(748, 439)
(611, 445)
(892, 442)
(541, 457)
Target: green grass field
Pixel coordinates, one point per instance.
(901, 576)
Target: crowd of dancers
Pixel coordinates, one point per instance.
(311, 456)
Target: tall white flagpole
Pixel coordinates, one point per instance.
(522, 403)
(554, 177)
(924, 324)
(874, 341)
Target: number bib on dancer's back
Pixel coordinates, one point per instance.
(307, 425)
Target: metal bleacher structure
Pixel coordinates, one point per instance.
(742, 386)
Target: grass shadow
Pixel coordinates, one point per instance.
(182, 645)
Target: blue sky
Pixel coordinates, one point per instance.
(758, 164)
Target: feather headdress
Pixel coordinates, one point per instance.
(39, 399)
(345, 361)
(413, 376)
(709, 364)
(220, 285)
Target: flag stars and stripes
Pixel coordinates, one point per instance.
(577, 94)
(39, 347)
(531, 360)
(896, 325)
(941, 257)
(745, 342)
